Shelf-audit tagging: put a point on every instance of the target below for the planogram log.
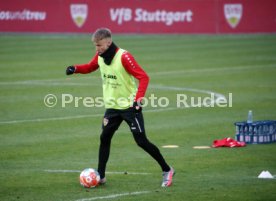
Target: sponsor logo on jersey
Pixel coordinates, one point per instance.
(110, 76)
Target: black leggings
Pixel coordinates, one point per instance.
(111, 122)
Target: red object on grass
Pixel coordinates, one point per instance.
(227, 142)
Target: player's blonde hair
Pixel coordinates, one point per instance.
(101, 33)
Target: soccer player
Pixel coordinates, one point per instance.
(118, 71)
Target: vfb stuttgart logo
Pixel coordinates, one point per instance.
(233, 14)
(79, 13)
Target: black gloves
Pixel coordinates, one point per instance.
(70, 70)
(137, 106)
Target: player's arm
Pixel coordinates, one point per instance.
(136, 70)
(84, 68)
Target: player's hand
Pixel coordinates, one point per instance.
(137, 107)
(70, 70)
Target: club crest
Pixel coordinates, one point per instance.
(233, 14)
(79, 13)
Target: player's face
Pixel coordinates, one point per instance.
(102, 45)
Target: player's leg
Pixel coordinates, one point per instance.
(136, 124)
(110, 124)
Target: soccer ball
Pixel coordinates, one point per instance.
(89, 178)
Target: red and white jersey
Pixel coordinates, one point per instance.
(130, 65)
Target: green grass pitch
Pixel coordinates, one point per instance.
(36, 138)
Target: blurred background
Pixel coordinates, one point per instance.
(139, 16)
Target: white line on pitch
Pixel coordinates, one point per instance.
(74, 117)
(50, 119)
(62, 81)
(62, 171)
(133, 173)
(203, 70)
(172, 88)
(78, 116)
(114, 195)
(78, 171)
